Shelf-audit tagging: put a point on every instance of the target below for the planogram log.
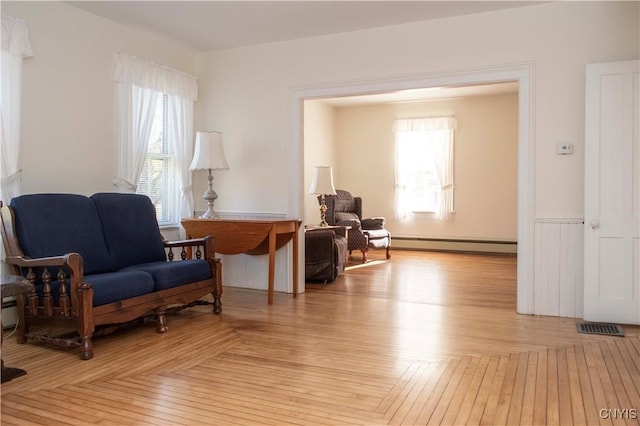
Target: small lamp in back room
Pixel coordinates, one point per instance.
(209, 155)
(321, 185)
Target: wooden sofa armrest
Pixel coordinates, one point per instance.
(187, 248)
(27, 262)
(55, 268)
(185, 243)
(208, 255)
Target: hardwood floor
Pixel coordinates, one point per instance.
(425, 338)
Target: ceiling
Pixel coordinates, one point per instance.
(213, 25)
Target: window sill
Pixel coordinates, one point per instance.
(169, 226)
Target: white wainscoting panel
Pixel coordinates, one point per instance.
(559, 267)
(245, 271)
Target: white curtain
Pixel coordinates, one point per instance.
(142, 73)
(15, 47)
(180, 113)
(435, 134)
(403, 167)
(136, 107)
(140, 82)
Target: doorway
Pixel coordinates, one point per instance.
(355, 136)
(522, 74)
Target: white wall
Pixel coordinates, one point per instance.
(249, 92)
(321, 149)
(68, 109)
(246, 92)
(485, 166)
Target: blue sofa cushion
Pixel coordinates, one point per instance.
(130, 229)
(117, 286)
(57, 224)
(110, 287)
(173, 274)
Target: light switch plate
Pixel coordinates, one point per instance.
(564, 148)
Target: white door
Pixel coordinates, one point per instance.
(612, 193)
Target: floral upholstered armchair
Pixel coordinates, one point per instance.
(343, 209)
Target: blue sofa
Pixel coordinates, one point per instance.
(101, 260)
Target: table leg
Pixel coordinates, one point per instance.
(295, 262)
(272, 262)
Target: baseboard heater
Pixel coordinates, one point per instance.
(452, 244)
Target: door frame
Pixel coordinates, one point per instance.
(522, 73)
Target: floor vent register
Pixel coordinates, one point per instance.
(599, 328)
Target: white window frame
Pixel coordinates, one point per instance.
(424, 150)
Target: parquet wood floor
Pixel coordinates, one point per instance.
(425, 338)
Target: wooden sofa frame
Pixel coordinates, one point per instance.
(75, 305)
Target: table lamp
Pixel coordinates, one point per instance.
(321, 185)
(209, 155)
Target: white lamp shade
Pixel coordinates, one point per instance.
(209, 152)
(322, 181)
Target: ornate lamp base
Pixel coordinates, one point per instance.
(323, 211)
(211, 196)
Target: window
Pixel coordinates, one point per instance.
(158, 178)
(155, 134)
(416, 162)
(424, 166)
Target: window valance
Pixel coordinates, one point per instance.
(15, 36)
(148, 75)
(424, 124)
